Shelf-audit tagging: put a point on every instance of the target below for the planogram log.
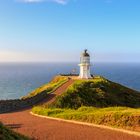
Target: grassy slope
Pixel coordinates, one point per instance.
(7, 134)
(96, 94)
(122, 117)
(49, 87)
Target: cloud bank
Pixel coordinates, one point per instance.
(63, 2)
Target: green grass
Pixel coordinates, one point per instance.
(7, 134)
(121, 117)
(97, 92)
(49, 87)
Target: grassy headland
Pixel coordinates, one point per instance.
(98, 101)
(7, 134)
(97, 92)
(49, 87)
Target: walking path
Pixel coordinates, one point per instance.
(47, 129)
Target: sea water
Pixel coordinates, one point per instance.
(18, 79)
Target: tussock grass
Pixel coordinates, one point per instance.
(122, 117)
(49, 87)
(7, 134)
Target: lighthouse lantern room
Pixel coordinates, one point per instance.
(85, 66)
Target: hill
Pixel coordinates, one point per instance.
(97, 101)
(97, 92)
(7, 134)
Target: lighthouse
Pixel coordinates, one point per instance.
(85, 66)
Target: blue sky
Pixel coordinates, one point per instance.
(58, 30)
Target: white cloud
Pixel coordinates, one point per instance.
(61, 1)
(30, 1)
(37, 1)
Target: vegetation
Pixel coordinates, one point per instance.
(49, 87)
(97, 92)
(7, 134)
(122, 117)
(98, 101)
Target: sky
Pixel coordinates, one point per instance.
(59, 30)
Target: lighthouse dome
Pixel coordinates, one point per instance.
(85, 54)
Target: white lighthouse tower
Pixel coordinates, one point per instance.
(85, 66)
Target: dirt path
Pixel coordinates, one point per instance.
(57, 92)
(45, 129)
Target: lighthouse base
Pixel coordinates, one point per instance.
(84, 77)
(84, 72)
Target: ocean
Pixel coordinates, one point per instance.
(18, 79)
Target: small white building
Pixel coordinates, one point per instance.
(85, 66)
